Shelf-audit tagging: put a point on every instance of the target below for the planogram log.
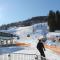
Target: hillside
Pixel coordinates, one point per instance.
(28, 22)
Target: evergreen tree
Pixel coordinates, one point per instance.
(57, 20)
(51, 20)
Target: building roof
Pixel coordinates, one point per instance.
(4, 34)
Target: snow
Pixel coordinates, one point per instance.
(50, 42)
(35, 32)
(50, 55)
(53, 34)
(19, 51)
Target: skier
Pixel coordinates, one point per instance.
(41, 49)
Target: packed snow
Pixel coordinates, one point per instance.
(35, 31)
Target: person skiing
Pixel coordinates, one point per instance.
(41, 49)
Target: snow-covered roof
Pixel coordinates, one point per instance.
(53, 34)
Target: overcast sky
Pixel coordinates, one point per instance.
(19, 10)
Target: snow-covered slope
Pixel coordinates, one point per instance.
(29, 29)
(35, 31)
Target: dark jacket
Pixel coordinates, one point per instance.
(40, 46)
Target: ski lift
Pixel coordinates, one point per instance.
(28, 35)
(18, 37)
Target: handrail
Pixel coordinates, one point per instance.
(36, 56)
(22, 53)
(21, 56)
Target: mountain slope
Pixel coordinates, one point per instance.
(28, 22)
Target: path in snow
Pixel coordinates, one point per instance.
(50, 55)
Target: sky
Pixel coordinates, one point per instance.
(20, 10)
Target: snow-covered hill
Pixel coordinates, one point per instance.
(35, 31)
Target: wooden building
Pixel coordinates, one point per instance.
(7, 39)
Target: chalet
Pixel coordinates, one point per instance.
(7, 39)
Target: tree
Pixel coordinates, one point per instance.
(51, 20)
(57, 20)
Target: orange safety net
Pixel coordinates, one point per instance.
(23, 44)
(53, 48)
